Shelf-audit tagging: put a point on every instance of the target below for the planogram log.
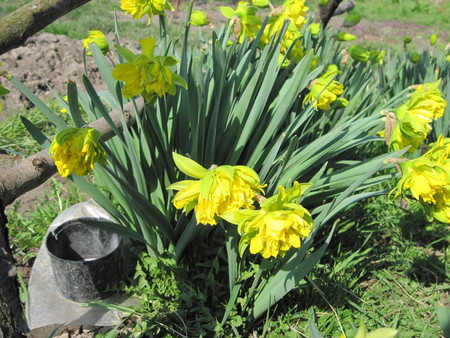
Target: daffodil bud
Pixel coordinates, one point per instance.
(261, 3)
(433, 39)
(98, 38)
(414, 57)
(343, 36)
(377, 57)
(199, 18)
(407, 40)
(359, 53)
(314, 28)
(351, 20)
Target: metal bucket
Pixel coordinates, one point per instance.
(85, 260)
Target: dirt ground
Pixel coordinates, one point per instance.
(55, 59)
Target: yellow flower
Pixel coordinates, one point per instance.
(414, 117)
(279, 225)
(440, 150)
(324, 90)
(98, 38)
(146, 74)
(422, 178)
(427, 102)
(244, 21)
(408, 131)
(199, 18)
(76, 149)
(216, 192)
(428, 182)
(139, 8)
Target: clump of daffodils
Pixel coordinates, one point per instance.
(325, 90)
(412, 121)
(75, 150)
(246, 24)
(98, 38)
(231, 192)
(139, 8)
(147, 74)
(217, 191)
(279, 225)
(427, 179)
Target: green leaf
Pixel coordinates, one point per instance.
(55, 119)
(189, 167)
(384, 332)
(315, 333)
(443, 316)
(126, 53)
(3, 91)
(72, 95)
(227, 12)
(36, 133)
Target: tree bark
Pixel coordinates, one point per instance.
(18, 26)
(36, 169)
(327, 11)
(12, 323)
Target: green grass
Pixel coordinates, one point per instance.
(27, 228)
(14, 136)
(435, 14)
(387, 267)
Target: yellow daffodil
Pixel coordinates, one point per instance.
(75, 150)
(146, 74)
(218, 191)
(427, 102)
(413, 118)
(139, 8)
(439, 151)
(199, 18)
(408, 131)
(279, 225)
(428, 182)
(324, 90)
(98, 38)
(292, 10)
(245, 22)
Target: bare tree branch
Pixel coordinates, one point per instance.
(36, 169)
(327, 11)
(18, 26)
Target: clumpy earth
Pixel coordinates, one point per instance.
(45, 60)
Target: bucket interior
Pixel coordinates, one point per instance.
(76, 241)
